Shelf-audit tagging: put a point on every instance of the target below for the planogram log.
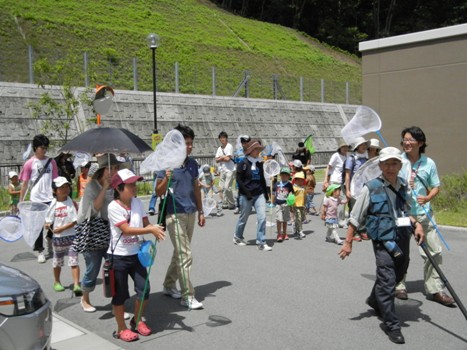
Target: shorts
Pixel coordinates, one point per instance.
(282, 212)
(125, 266)
(62, 247)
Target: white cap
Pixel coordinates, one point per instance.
(60, 181)
(11, 174)
(390, 153)
(373, 143)
(297, 163)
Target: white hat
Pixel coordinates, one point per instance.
(60, 181)
(374, 143)
(297, 163)
(357, 142)
(389, 153)
(12, 173)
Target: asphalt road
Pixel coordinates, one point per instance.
(298, 296)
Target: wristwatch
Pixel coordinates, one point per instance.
(200, 212)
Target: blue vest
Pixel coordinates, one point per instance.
(380, 221)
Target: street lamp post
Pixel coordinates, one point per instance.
(153, 42)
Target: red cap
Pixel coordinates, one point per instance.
(124, 176)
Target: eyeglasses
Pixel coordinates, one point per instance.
(408, 140)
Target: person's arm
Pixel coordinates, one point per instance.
(162, 183)
(156, 230)
(64, 227)
(11, 190)
(100, 199)
(422, 200)
(24, 188)
(323, 211)
(327, 177)
(199, 204)
(347, 184)
(418, 230)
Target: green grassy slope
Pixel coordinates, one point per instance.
(193, 33)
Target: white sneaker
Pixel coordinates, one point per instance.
(264, 247)
(191, 303)
(302, 235)
(126, 315)
(41, 258)
(239, 241)
(173, 292)
(236, 211)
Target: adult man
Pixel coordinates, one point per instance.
(183, 205)
(224, 157)
(37, 175)
(382, 205)
(424, 182)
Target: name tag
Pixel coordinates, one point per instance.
(403, 222)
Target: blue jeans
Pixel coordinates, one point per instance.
(152, 202)
(93, 259)
(259, 202)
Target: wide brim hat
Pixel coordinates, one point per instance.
(357, 142)
(252, 145)
(109, 159)
(341, 143)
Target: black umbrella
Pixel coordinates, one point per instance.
(107, 140)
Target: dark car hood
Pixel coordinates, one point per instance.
(13, 281)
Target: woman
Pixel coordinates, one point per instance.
(96, 198)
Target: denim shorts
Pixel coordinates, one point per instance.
(125, 266)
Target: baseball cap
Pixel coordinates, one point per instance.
(309, 167)
(124, 176)
(285, 170)
(390, 153)
(331, 189)
(297, 163)
(60, 181)
(299, 175)
(11, 174)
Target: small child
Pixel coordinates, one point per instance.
(61, 218)
(83, 179)
(14, 189)
(329, 213)
(310, 189)
(299, 206)
(280, 192)
(128, 221)
(206, 180)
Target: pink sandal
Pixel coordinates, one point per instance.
(126, 335)
(142, 328)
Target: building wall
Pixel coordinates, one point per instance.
(421, 79)
(285, 122)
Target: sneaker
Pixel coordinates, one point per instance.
(239, 241)
(340, 242)
(173, 292)
(41, 258)
(77, 291)
(219, 213)
(280, 238)
(236, 211)
(286, 236)
(301, 234)
(264, 247)
(330, 240)
(151, 212)
(191, 303)
(126, 315)
(58, 287)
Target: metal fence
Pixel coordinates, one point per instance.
(121, 71)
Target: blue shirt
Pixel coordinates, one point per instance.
(426, 177)
(182, 187)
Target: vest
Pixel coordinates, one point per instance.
(380, 221)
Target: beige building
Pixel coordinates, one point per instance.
(421, 79)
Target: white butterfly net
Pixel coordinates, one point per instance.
(169, 154)
(32, 216)
(11, 228)
(271, 168)
(364, 121)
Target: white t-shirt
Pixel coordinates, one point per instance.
(60, 214)
(226, 151)
(337, 166)
(118, 214)
(42, 191)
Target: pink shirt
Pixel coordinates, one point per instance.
(331, 205)
(42, 191)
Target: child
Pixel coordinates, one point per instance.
(14, 189)
(128, 221)
(61, 218)
(280, 191)
(299, 206)
(329, 212)
(310, 189)
(206, 180)
(83, 179)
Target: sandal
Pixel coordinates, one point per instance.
(142, 328)
(126, 335)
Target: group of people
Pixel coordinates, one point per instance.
(388, 210)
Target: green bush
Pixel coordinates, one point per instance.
(450, 205)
